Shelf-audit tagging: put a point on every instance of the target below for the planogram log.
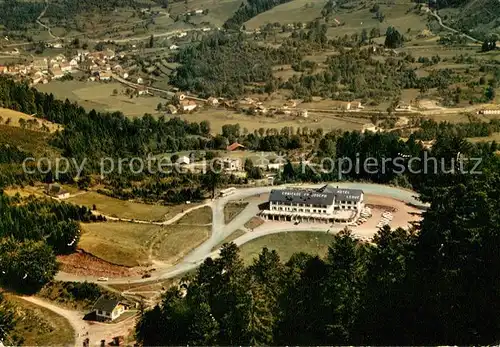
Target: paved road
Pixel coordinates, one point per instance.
(220, 230)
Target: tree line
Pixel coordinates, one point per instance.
(32, 232)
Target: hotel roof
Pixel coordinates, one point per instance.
(322, 196)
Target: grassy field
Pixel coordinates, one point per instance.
(232, 209)
(15, 117)
(360, 18)
(178, 240)
(219, 10)
(286, 244)
(200, 216)
(291, 12)
(220, 117)
(126, 209)
(99, 96)
(232, 237)
(119, 242)
(39, 326)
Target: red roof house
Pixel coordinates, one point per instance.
(235, 146)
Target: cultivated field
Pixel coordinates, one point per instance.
(395, 15)
(119, 242)
(220, 117)
(99, 96)
(176, 241)
(291, 12)
(126, 209)
(219, 10)
(286, 244)
(39, 326)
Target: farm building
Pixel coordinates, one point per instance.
(56, 191)
(212, 101)
(109, 309)
(326, 205)
(188, 105)
(234, 146)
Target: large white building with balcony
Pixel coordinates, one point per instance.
(326, 204)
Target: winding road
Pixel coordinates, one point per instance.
(43, 25)
(440, 20)
(221, 231)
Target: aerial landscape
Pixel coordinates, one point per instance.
(249, 172)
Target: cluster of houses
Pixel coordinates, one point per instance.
(100, 65)
(42, 70)
(186, 104)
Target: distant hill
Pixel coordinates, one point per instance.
(479, 18)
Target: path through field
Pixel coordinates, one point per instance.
(93, 330)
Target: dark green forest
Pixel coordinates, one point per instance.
(250, 9)
(32, 232)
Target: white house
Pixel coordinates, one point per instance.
(198, 11)
(140, 80)
(109, 309)
(73, 63)
(173, 47)
(184, 160)
(231, 164)
(188, 105)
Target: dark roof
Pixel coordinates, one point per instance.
(342, 194)
(105, 304)
(301, 196)
(322, 196)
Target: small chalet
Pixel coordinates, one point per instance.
(56, 191)
(235, 146)
(109, 309)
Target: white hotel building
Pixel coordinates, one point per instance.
(325, 205)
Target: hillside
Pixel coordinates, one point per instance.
(480, 18)
(22, 120)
